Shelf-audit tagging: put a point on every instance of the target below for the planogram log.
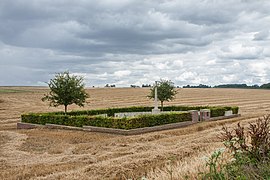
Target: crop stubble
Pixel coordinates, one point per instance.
(62, 154)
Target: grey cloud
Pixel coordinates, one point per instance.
(262, 35)
(186, 41)
(105, 29)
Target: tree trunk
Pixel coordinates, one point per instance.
(65, 109)
(161, 105)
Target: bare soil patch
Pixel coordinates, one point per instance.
(64, 154)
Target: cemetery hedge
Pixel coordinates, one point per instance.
(108, 122)
(215, 110)
(91, 118)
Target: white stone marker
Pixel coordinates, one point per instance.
(228, 113)
(156, 110)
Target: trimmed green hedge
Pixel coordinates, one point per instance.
(215, 110)
(109, 122)
(88, 118)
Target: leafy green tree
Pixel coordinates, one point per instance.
(66, 90)
(266, 86)
(165, 91)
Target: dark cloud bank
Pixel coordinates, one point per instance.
(135, 42)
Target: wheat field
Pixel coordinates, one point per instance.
(65, 154)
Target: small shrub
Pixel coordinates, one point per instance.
(215, 165)
(250, 151)
(259, 135)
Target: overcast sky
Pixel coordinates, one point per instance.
(126, 42)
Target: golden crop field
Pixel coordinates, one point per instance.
(65, 154)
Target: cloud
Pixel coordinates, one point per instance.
(187, 76)
(240, 51)
(134, 42)
(229, 78)
(123, 73)
(262, 35)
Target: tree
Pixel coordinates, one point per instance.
(165, 91)
(66, 90)
(266, 86)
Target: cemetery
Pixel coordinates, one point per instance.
(129, 120)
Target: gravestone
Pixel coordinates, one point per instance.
(102, 115)
(130, 114)
(228, 113)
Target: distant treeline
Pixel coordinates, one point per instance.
(244, 86)
(200, 86)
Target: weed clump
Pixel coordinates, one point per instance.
(250, 151)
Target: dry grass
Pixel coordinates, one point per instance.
(62, 154)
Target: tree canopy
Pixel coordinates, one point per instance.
(66, 89)
(165, 91)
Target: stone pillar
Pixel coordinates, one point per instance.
(194, 115)
(156, 99)
(156, 110)
(204, 114)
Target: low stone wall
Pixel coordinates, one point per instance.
(194, 114)
(56, 126)
(107, 130)
(223, 117)
(22, 125)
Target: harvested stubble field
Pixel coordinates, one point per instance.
(63, 154)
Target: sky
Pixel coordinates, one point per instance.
(126, 42)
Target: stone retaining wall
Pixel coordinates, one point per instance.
(21, 125)
(56, 126)
(223, 117)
